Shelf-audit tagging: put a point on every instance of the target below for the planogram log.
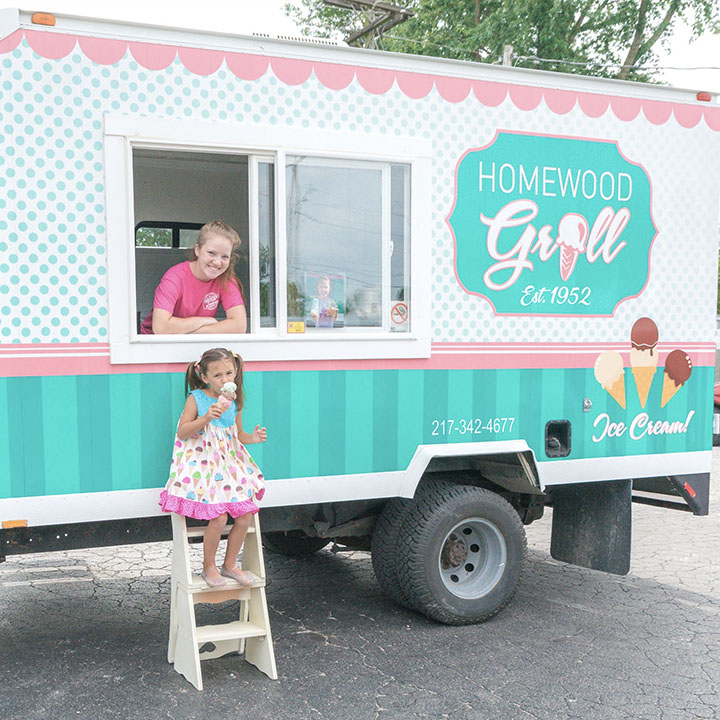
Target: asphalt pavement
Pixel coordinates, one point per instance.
(83, 634)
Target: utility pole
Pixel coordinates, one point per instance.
(379, 18)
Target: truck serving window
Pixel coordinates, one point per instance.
(346, 261)
(325, 263)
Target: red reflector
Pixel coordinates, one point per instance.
(689, 490)
(704, 96)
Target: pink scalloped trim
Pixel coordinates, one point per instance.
(103, 51)
(206, 511)
(9, 43)
(203, 61)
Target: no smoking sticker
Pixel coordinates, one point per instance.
(399, 313)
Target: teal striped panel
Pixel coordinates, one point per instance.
(253, 413)
(435, 404)
(331, 423)
(358, 421)
(276, 403)
(460, 401)
(157, 426)
(94, 439)
(485, 389)
(385, 420)
(304, 424)
(26, 436)
(114, 432)
(5, 420)
(61, 449)
(410, 426)
(126, 408)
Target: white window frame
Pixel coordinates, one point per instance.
(123, 134)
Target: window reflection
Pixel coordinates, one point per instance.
(344, 244)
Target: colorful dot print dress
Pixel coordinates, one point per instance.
(211, 472)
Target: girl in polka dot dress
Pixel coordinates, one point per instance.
(212, 474)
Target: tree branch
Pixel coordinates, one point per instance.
(636, 42)
(640, 47)
(661, 28)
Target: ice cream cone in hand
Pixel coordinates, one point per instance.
(572, 234)
(227, 395)
(610, 373)
(643, 356)
(678, 367)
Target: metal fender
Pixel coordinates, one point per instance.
(518, 450)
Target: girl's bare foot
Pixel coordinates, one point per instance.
(212, 577)
(241, 576)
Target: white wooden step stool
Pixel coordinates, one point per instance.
(250, 634)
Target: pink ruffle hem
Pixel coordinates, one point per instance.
(207, 511)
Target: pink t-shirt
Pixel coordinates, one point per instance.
(184, 296)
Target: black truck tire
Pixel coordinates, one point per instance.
(293, 544)
(384, 548)
(460, 554)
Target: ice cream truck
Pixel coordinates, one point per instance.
(473, 292)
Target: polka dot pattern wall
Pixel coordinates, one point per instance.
(53, 266)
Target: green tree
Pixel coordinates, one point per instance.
(608, 38)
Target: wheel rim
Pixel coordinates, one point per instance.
(473, 558)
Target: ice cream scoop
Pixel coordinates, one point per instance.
(610, 373)
(643, 356)
(644, 335)
(572, 234)
(678, 367)
(227, 395)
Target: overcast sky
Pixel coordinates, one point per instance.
(247, 16)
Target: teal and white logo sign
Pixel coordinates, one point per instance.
(551, 225)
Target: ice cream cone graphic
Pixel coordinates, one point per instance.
(678, 367)
(572, 234)
(643, 356)
(610, 373)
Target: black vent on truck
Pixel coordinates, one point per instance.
(558, 438)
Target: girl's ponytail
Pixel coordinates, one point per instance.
(192, 378)
(240, 395)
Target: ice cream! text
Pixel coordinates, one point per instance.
(640, 426)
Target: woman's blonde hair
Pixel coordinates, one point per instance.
(217, 227)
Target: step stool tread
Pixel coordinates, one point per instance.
(199, 585)
(228, 631)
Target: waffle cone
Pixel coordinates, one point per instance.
(618, 391)
(669, 389)
(643, 380)
(568, 258)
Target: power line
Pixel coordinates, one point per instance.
(536, 59)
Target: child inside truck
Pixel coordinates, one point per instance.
(324, 309)
(212, 475)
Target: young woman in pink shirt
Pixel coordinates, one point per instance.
(189, 294)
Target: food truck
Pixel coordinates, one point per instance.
(473, 292)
